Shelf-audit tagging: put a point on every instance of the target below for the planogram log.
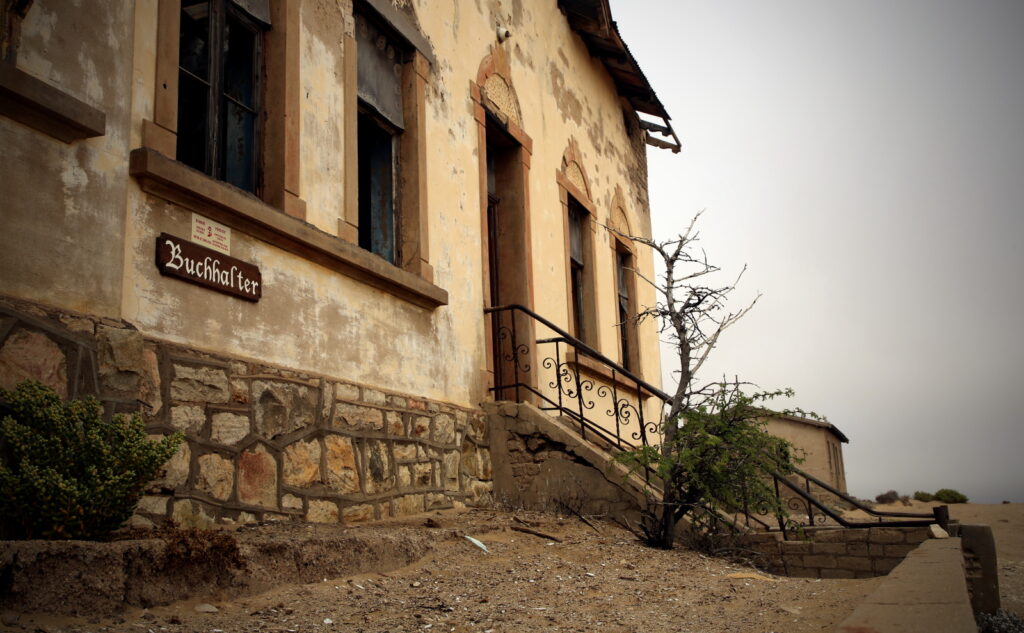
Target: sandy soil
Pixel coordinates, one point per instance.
(1007, 521)
(590, 581)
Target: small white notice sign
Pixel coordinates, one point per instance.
(211, 234)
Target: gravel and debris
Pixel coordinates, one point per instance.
(586, 581)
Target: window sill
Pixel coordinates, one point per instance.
(50, 110)
(173, 181)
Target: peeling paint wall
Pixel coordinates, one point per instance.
(62, 206)
(80, 230)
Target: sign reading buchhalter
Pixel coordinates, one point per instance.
(180, 258)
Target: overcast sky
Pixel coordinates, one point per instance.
(866, 160)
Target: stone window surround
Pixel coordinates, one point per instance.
(567, 189)
(159, 174)
(413, 237)
(35, 103)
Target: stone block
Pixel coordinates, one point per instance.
(804, 572)
(886, 535)
(398, 401)
(444, 428)
(119, 359)
(384, 509)
(216, 476)
(795, 547)
(354, 415)
(916, 534)
(291, 502)
(854, 563)
(828, 548)
(282, 407)
(377, 472)
(828, 536)
(876, 550)
(451, 470)
(421, 427)
(404, 476)
(149, 388)
(470, 460)
(189, 513)
(342, 472)
(345, 391)
(174, 472)
(188, 418)
(394, 423)
(405, 451)
(857, 549)
(200, 384)
(153, 505)
(423, 475)
(372, 396)
(322, 511)
(246, 518)
(838, 573)
(485, 463)
(228, 428)
(435, 501)
(357, 514)
(856, 535)
(824, 561)
(257, 477)
(409, 504)
(885, 565)
(302, 463)
(899, 549)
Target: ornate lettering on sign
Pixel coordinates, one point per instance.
(197, 264)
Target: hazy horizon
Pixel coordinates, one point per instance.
(866, 160)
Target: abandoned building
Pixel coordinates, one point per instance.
(320, 237)
(818, 442)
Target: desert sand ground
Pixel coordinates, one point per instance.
(589, 580)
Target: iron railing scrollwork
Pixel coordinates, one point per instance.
(610, 405)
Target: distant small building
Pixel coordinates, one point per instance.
(819, 443)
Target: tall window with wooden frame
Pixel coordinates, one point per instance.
(380, 58)
(220, 72)
(579, 272)
(625, 306)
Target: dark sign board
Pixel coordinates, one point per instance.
(176, 257)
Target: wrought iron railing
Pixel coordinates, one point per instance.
(608, 404)
(604, 401)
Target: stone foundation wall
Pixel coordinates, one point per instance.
(837, 553)
(262, 442)
(542, 464)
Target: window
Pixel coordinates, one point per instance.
(577, 268)
(625, 309)
(380, 60)
(219, 88)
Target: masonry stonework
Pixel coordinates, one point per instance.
(261, 442)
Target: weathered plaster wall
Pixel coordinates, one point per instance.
(63, 204)
(82, 230)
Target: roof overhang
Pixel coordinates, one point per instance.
(592, 21)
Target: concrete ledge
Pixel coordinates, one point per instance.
(174, 181)
(39, 105)
(925, 593)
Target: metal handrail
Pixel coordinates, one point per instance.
(580, 345)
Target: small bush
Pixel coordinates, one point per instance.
(948, 495)
(923, 496)
(65, 472)
(888, 497)
(1000, 622)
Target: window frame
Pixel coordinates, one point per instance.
(215, 141)
(625, 275)
(412, 248)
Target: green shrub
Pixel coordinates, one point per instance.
(920, 495)
(888, 497)
(65, 472)
(948, 495)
